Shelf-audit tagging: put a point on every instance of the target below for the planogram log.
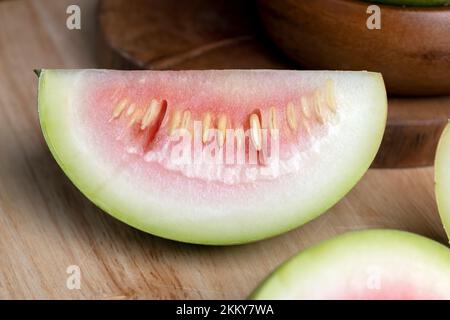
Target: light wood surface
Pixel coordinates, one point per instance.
(47, 225)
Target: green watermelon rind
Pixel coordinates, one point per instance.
(378, 242)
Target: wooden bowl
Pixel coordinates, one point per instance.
(411, 50)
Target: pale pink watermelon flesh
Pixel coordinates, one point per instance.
(113, 134)
(442, 178)
(371, 264)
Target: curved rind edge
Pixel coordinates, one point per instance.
(441, 166)
(380, 237)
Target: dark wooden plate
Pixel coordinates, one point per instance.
(203, 34)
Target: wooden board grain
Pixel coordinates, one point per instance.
(46, 224)
(203, 34)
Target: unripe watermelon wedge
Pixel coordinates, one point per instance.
(370, 264)
(213, 157)
(442, 178)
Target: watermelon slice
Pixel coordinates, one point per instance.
(442, 178)
(370, 264)
(213, 157)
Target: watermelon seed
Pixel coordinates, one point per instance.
(136, 116)
(221, 128)
(151, 114)
(175, 121)
(305, 108)
(119, 108)
(291, 118)
(240, 137)
(318, 106)
(306, 111)
(331, 101)
(206, 125)
(255, 131)
(131, 109)
(306, 126)
(155, 124)
(186, 120)
(273, 125)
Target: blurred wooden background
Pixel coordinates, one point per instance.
(47, 225)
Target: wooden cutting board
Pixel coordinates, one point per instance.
(46, 224)
(202, 34)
